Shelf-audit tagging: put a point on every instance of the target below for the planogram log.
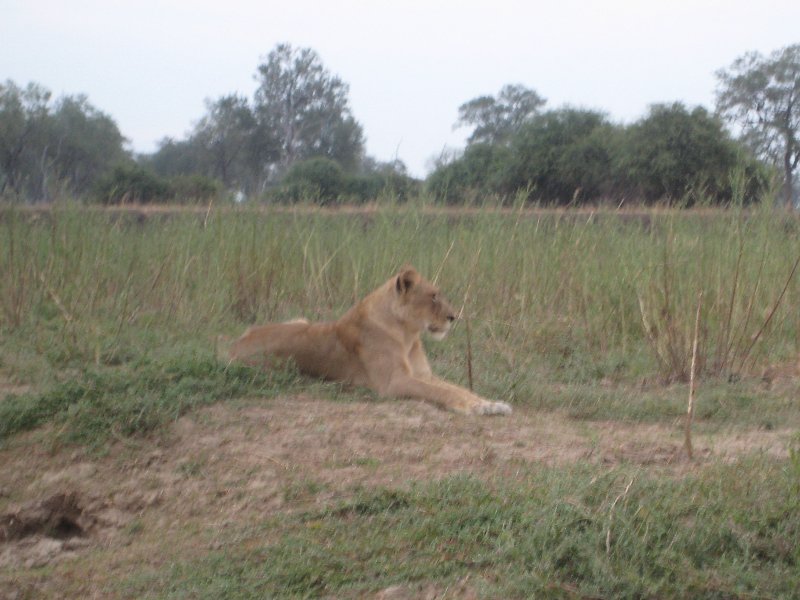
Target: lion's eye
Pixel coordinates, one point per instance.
(435, 298)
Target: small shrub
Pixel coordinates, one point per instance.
(132, 183)
(194, 188)
(318, 179)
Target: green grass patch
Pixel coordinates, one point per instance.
(135, 400)
(726, 532)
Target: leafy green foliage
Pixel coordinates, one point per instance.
(323, 181)
(478, 172)
(50, 150)
(133, 183)
(317, 179)
(497, 119)
(571, 156)
(194, 188)
(233, 146)
(759, 94)
(306, 107)
(176, 157)
(228, 145)
(675, 153)
(300, 113)
(562, 156)
(376, 180)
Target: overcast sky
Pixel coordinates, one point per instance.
(151, 64)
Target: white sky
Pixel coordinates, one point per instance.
(150, 64)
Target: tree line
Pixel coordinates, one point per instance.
(297, 139)
(570, 156)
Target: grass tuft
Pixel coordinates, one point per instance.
(134, 401)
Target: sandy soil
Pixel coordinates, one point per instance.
(76, 521)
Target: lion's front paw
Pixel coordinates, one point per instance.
(488, 407)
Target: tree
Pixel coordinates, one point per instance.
(236, 148)
(299, 112)
(132, 183)
(47, 148)
(478, 171)
(22, 115)
(319, 179)
(376, 179)
(559, 156)
(182, 157)
(495, 120)
(562, 156)
(84, 144)
(225, 131)
(227, 145)
(762, 96)
(673, 152)
(306, 108)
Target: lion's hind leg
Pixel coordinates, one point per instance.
(261, 343)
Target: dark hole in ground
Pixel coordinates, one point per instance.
(64, 529)
(58, 516)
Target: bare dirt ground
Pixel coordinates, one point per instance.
(73, 523)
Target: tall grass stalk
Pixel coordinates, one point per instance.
(571, 295)
(745, 290)
(692, 377)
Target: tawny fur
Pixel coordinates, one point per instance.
(375, 344)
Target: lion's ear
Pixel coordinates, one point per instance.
(406, 279)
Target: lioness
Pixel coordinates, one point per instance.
(375, 344)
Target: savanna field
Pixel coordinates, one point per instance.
(134, 464)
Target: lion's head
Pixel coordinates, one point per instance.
(421, 304)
